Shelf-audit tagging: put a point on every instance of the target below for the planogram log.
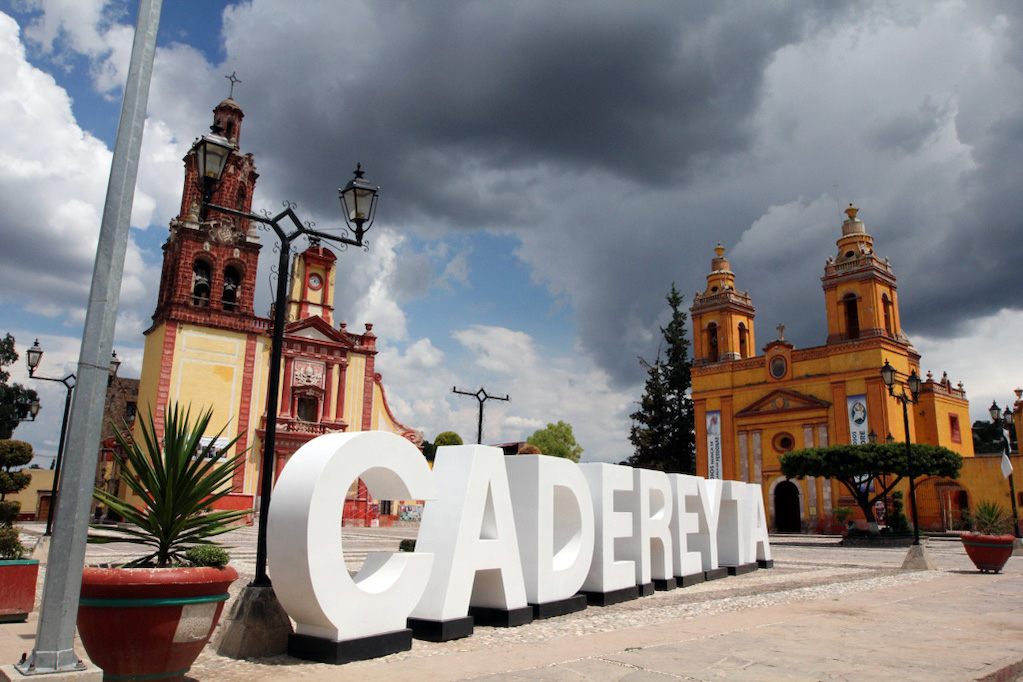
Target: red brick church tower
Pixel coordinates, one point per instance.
(209, 261)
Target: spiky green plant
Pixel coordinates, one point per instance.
(989, 518)
(178, 483)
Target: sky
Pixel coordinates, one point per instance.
(548, 169)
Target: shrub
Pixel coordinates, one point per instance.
(842, 514)
(407, 545)
(13, 453)
(898, 521)
(207, 555)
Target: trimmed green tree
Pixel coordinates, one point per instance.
(663, 430)
(14, 398)
(557, 440)
(858, 466)
(443, 438)
(14, 454)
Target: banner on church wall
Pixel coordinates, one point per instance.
(858, 428)
(714, 445)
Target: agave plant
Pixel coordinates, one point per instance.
(990, 518)
(178, 482)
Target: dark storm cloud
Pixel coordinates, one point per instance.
(443, 93)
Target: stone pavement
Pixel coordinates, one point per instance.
(824, 612)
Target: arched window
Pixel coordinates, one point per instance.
(712, 342)
(852, 316)
(742, 340)
(232, 284)
(239, 199)
(201, 283)
(887, 305)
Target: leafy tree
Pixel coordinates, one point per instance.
(14, 398)
(443, 438)
(987, 436)
(855, 466)
(663, 432)
(557, 440)
(14, 454)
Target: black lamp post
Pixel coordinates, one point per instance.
(32, 357)
(358, 202)
(1003, 419)
(888, 375)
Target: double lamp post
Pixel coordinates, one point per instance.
(888, 375)
(33, 356)
(358, 203)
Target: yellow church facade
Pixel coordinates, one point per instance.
(750, 409)
(208, 348)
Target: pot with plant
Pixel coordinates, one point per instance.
(841, 515)
(990, 544)
(150, 618)
(17, 574)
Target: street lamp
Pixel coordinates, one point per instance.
(888, 375)
(1003, 419)
(32, 357)
(358, 201)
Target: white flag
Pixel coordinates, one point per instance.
(1006, 466)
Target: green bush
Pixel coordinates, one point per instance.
(207, 555)
(842, 514)
(13, 453)
(407, 545)
(898, 521)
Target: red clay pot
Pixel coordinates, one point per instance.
(988, 552)
(150, 623)
(17, 589)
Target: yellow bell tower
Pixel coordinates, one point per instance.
(860, 289)
(722, 318)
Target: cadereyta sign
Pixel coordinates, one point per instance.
(502, 540)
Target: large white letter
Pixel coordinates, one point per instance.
(756, 521)
(651, 546)
(304, 536)
(470, 529)
(606, 574)
(705, 502)
(733, 533)
(554, 522)
(685, 521)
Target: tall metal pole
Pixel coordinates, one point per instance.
(909, 459)
(273, 388)
(55, 637)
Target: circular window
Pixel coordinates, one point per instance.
(784, 442)
(778, 367)
(850, 254)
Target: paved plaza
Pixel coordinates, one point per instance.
(824, 612)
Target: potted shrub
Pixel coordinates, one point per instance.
(841, 515)
(990, 544)
(152, 617)
(17, 574)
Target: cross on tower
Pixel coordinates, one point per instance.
(234, 79)
(781, 332)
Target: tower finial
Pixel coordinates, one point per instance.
(851, 212)
(234, 79)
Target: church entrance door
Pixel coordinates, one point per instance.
(786, 508)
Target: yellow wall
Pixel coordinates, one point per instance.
(42, 482)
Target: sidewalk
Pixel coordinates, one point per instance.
(823, 613)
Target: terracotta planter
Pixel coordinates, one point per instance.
(988, 552)
(17, 589)
(150, 623)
